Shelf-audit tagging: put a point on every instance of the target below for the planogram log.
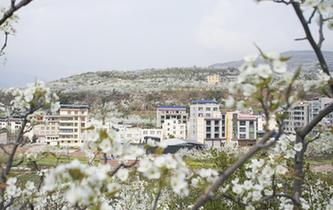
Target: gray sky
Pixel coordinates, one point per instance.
(58, 38)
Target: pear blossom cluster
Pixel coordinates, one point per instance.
(262, 78)
(35, 98)
(325, 8)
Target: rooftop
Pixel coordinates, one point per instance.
(246, 117)
(204, 102)
(74, 106)
(171, 107)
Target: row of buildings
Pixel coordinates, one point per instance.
(202, 122)
(66, 128)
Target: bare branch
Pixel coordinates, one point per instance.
(320, 31)
(315, 47)
(4, 44)
(301, 39)
(308, 128)
(312, 15)
(122, 165)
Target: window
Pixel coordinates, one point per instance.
(207, 108)
(241, 122)
(242, 136)
(200, 108)
(242, 129)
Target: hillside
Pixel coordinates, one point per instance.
(151, 80)
(138, 92)
(307, 60)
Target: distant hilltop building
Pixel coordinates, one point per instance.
(213, 79)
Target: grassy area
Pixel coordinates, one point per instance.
(320, 162)
(197, 164)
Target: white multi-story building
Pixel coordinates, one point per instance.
(135, 135)
(72, 122)
(152, 133)
(205, 123)
(317, 104)
(173, 128)
(298, 116)
(164, 113)
(12, 124)
(127, 134)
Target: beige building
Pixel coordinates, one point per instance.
(47, 130)
(73, 120)
(205, 123)
(173, 128)
(241, 128)
(213, 79)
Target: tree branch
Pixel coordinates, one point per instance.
(158, 195)
(13, 8)
(4, 44)
(315, 47)
(227, 173)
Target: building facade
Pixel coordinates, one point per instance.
(173, 128)
(205, 123)
(298, 116)
(241, 128)
(73, 120)
(317, 104)
(47, 129)
(213, 79)
(164, 113)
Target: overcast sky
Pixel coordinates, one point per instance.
(58, 38)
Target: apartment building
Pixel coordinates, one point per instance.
(135, 135)
(206, 123)
(72, 122)
(317, 104)
(47, 130)
(173, 128)
(152, 133)
(242, 128)
(170, 112)
(298, 116)
(12, 124)
(213, 79)
(127, 134)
